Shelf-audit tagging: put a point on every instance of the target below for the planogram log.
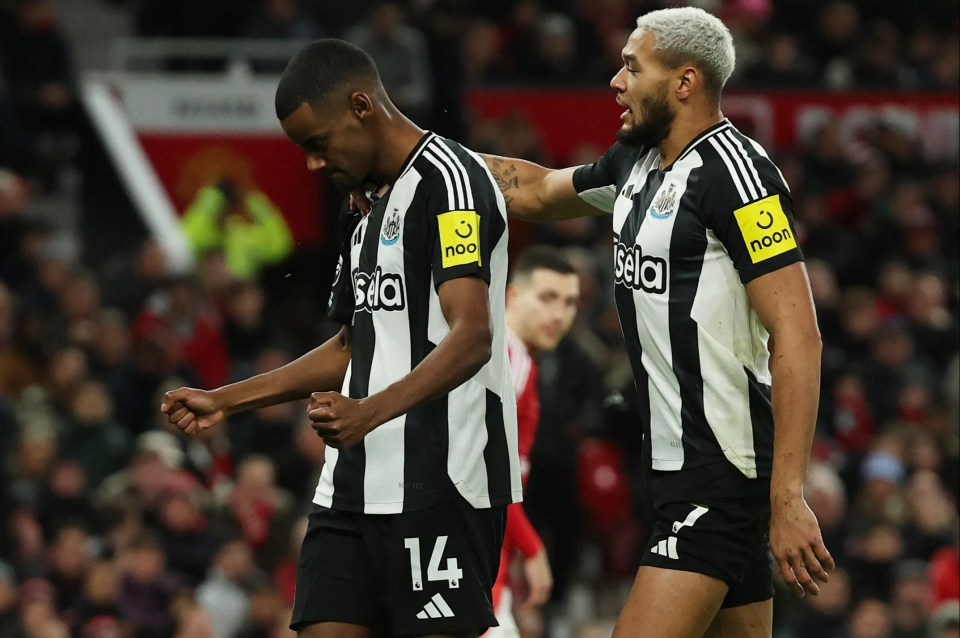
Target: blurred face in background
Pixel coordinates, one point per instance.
(146, 563)
(91, 405)
(541, 307)
(834, 598)
(102, 586)
(112, 341)
(70, 554)
(871, 619)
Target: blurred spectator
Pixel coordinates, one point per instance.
(66, 500)
(38, 66)
(246, 226)
(147, 588)
(945, 620)
(781, 66)
(129, 285)
(870, 618)
(401, 54)
(17, 369)
(556, 60)
(280, 19)
(910, 599)
(186, 535)
(835, 41)
(101, 592)
(258, 510)
(264, 608)
(825, 615)
(185, 331)
(69, 559)
(445, 27)
(185, 18)
(244, 329)
(9, 625)
(224, 593)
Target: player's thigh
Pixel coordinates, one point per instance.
(668, 603)
(754, 620)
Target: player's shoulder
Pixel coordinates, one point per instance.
(737, 163)
(443, 159)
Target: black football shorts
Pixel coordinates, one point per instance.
(424, 572)
(720, 530)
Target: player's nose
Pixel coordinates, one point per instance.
(315, 164)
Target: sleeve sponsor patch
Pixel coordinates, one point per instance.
(459, 237)
(765, 229)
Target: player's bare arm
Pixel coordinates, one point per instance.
(534, 193)
(323, 368)
(784, 304)
(343, 421)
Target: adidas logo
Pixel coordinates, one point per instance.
(436, 608)
(667, 547)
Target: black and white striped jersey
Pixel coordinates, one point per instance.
(443, 218)
(686, 241)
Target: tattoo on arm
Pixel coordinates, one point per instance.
(505, 174)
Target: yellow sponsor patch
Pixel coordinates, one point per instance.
(765, 229)
(460, 237)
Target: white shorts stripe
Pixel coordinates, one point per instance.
(442, 606)
(672, 547)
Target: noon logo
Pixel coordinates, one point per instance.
(765, 228)
(459, 237)
(390, 231)
(377, 291)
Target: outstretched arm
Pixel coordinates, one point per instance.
(323, 368)
(534, 193)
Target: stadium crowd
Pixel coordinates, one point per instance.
(115, 526)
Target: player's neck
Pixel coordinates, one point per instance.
(686, 127)
(400, 137)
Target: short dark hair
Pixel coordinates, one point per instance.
(319, 70)
(541, 256)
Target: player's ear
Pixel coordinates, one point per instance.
(688, 81)
(361, 104)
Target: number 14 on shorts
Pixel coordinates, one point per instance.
(452, 574)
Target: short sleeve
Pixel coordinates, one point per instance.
(597, 183)
(340, 305)
(463, 238)
(753, 220)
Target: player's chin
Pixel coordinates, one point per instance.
(344, 182)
